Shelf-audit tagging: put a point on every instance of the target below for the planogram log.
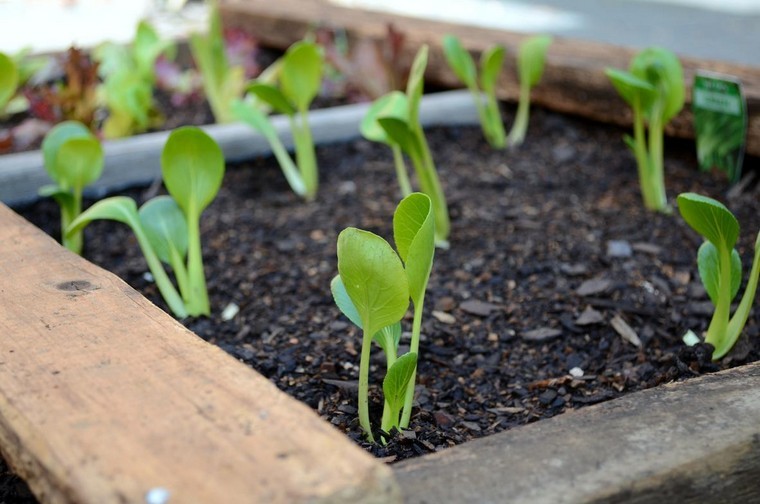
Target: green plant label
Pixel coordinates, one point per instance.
(720, 123)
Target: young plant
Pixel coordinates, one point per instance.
(300, 77)
(128, 80)
(222, 82)
(486, 103)
(9, 80)
(373, 288)
(531, 58)
(168, 227)
(402, 128)
(720, 268)
(653, 87)
(73, 158)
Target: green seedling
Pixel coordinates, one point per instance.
(531, 58)
(653, 87)
(401, 127)
(720, 268)
(168, 227)
(9, 80)
(300, 77)
(73, 158)
(482, 87)
(222, 82)
(128, 74)
(373, 289)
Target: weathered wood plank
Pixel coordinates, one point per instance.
(103, 396)
(574, 81)
(694, 442)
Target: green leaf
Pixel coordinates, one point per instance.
(56, 137)
(343, 301)
(399, 132)
(9, 79)
(165, 226)
(374, 278)
(192, 165)
(273, 97)
(709, 218)
(79, 162)
(396, 382)
(147, 47)
(708, 262)
(662, 69)
(531, 58)
(301, 73)
(491, 62)
(416, 82)
(629, 86)
(414, 234)
(393, 104)
(117, 208)
(460, 61)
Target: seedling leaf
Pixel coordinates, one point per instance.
(414, 234)
(79, 162)
(460, 60)
(708, 263)
(416, 82)
(166, 228)
(710, 219)
(273, 97)
(491, 62)
(662, 69)
(390, 334)
(396, 383)
(301, 73)
(56, 137)
(531, 58)
(394, 105)
(343, 301)
(628, 86)
(9, 79)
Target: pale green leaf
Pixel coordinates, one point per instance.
(272, 96)
(79, 162)
(393, 104)
(9, 79)
(165, 226)
(56, 137)
(491, 62)
(374, 278)
(662, 69)
(708, 263)
(399, 132)
(388, 335)
(301, 73)
(416, 83)
(343, 301)
(117, 208)
(460, 60)
(629, 86)
(192, 165)
(709, 218)
(531, 57)
(396, 382)
(414, 234)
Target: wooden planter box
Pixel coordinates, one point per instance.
(104, 397)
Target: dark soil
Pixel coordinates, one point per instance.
(550, 244)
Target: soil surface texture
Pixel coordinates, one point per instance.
(559, 289)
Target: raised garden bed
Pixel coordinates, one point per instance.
(551, 249)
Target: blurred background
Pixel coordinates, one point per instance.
(726, 30)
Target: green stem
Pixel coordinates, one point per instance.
(495, 135)
(716, 332)
(657, 197)
(414, 347)
(739, 319)
(520, 126)
(364, 386)
(431, 185)
(390, 358)
(306, 158)
(198, 304)
(73, 241)
(401, 175)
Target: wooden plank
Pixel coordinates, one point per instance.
(573, 83)
(691, 442)
(103, 397)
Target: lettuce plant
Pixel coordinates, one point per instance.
(168, 227)
(486, 103)
(531, 58)
(720, 268)
(373, 289)
(73, 158)
(395, 121)
(129, 77)
(222, 82)
(653, 87)
(300, 76)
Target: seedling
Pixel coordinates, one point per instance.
(373, 289)
(222, 82)
(401, 127)
(300, 77)
(531, 58)
(129, 77)
(168, 227)
(486, 103)
(653, 87)
(720, 268)
(73, 158)
(9, 80)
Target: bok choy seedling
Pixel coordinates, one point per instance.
(653, 87)
(300, 77)
(395, 121)
(73, 158)
(531, 58)
(222, 82)
(9, 80)
(168, 227)
(720, 268)
(373, 288)
(486, 103)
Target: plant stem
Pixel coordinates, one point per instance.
(414, 347)
(495, 130)
(640, 152)
(306, 158)
(198, 303)
(431, 185)
(657, 196)
(364, 386)
(736, 324)
(716, 332)
(520, 126)
(401, 175)
(74, 241)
